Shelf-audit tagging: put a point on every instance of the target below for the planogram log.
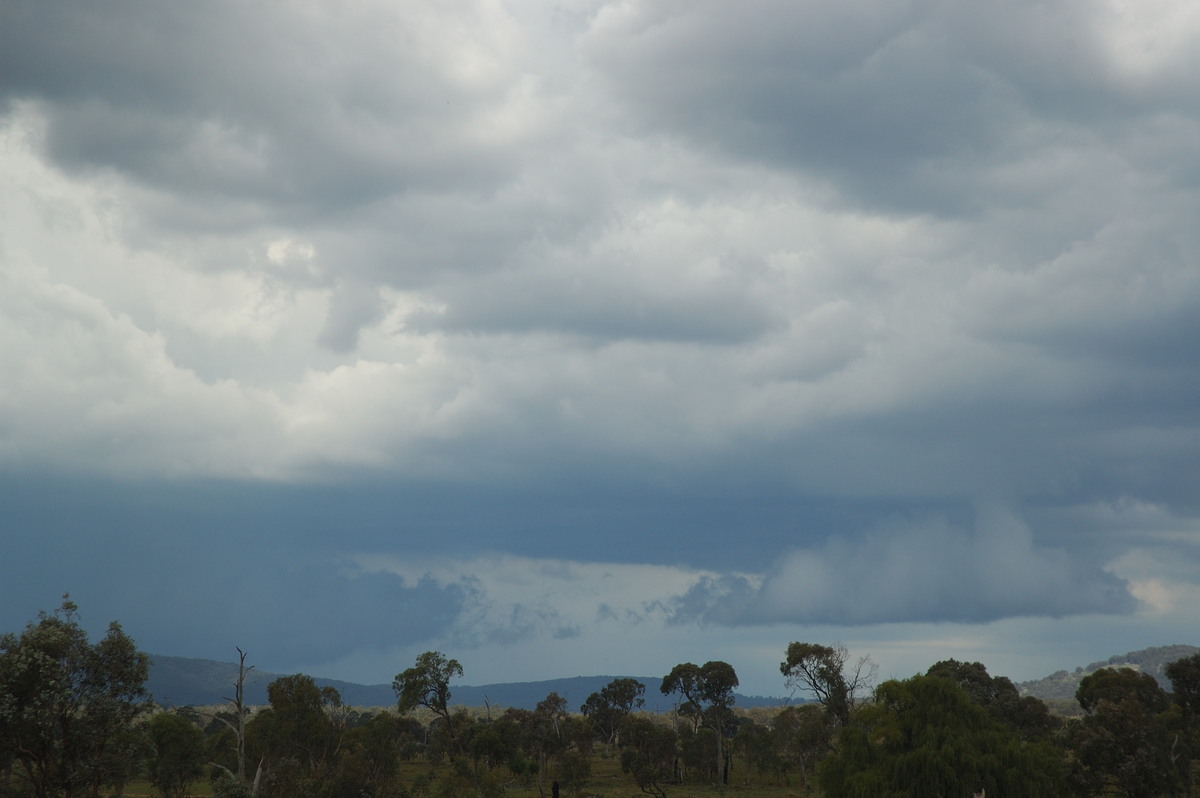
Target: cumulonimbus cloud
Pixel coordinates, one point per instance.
(912, 572)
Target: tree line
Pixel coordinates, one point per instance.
(75, 720)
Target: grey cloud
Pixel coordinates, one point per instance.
(606, 612)
(567, 632)
(317, 612)
(604, 304)
(605, 290)
(859, 94)
(204, 594)
(485, 622)
(912, 107)
(917, 572)
(282, 109)
(1126, 294)
(353, 306)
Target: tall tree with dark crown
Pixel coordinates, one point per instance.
(823, 672)
(1185, 682)
(612, 704)
(709, 687)
(427, 684)
(67, 706)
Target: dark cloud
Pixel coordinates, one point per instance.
(280, 110)
(196, 578)
(867, 97)
(921, 572)
(316, 612)
(683, 286)
(603, 307)
(912, 107)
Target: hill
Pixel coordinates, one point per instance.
(1061, 686)
(182, 681)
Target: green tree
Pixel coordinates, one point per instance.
(1123, 744)
(607, 708)
(298, 736)
(696, 745)
(755, 743)
(572, 771)
(179, 754)
(545, 732)
(1000, 697)
(647, 754)
(1115, 685)
(542, 736)
(497, 742)
(372, 751)
(451, 738)
(427, 684)
(800, 736)
(514, 727)
(924, 736)
(824, 673)
(580, 734)
(67, 707)
(1185, 682)
(709, 687)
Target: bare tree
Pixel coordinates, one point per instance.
(238, 725)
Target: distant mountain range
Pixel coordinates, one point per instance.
(180, 681)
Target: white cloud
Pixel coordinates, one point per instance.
(530, 618)
(543, 595)
(1150, 41)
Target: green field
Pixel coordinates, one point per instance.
(607, 781)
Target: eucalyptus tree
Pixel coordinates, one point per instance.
(648, 753)
(427, 684)
(303, 723)
(608, 707)
(709, 688)
(67, 706)
(179, 755)
(545, 731)
(826, 674)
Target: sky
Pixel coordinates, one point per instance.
(596, 336)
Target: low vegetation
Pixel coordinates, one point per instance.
(75, 721)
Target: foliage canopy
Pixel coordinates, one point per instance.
(67, 706)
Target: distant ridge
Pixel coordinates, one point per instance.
(182, 681)
(1061, 685)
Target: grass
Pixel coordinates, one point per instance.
(607, 781)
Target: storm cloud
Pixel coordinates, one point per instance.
(515, 328)
(913, 572)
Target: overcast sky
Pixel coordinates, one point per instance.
(592, 337)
